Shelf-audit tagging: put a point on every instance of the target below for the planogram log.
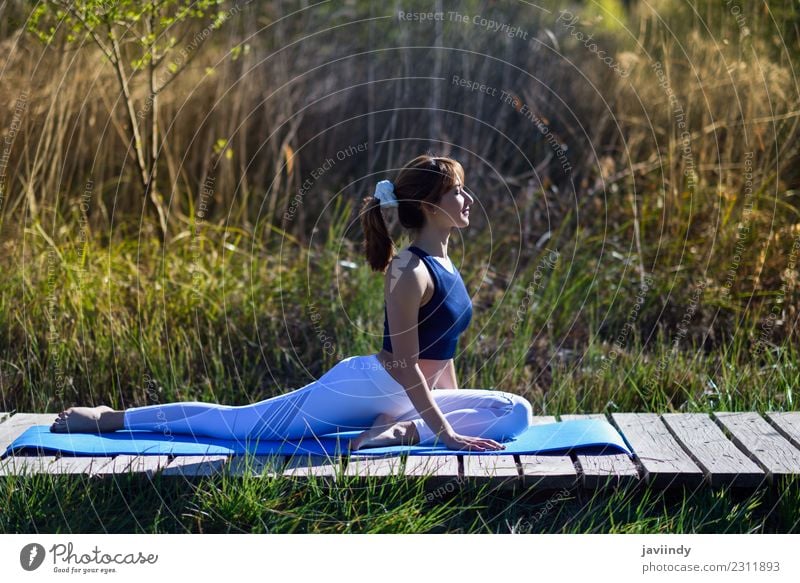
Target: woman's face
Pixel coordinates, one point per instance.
(453, 210)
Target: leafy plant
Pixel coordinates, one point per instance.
(146, 43)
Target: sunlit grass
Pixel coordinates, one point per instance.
(266, 504)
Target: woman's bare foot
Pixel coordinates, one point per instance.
(88, 420)
(386, 430)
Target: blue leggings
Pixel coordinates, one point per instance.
(348, 397)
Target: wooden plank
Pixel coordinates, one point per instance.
(25, 465)
(78, 465)
(603, 471)
(308, 466)
(15, 425)
(499, 471)
(368, 466)
(435, 470)
(438, 475)
(721, 461)
(662, 459)
(761, 442)
(54, 464)
(11, 428)
(125, 463)
(195, 465)
(256, 465)
(547, 471)
(787, 423)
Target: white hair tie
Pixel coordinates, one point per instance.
(384, 192)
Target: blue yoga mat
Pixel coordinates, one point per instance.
(589, 436)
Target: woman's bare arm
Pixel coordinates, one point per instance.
(403, 295)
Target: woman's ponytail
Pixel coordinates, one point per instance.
(378, 245)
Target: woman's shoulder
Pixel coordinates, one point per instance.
(405, 259)
(407, 265)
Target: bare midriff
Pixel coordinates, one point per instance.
(431, 369)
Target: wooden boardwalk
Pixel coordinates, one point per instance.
(673, 449)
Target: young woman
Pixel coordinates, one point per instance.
(405, 394)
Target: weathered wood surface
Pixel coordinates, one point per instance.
(313, 466)
(365, 467)
(78, 465)
(498, 471)
(547, 471)
(134, 464)
(663, 460)
(721, 461)
(258, 465)
(196, 465)
(26, 465)
(600, 471)
(437, 470)
(15, 425)
(761, 442)
(787, 424)
(720, 449)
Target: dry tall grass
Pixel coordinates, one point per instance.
(568, 153)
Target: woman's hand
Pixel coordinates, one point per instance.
(456, 441)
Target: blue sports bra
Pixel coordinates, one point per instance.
(446, 315)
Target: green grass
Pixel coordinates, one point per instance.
(235, 317)
(136, 327)
(250, 504)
